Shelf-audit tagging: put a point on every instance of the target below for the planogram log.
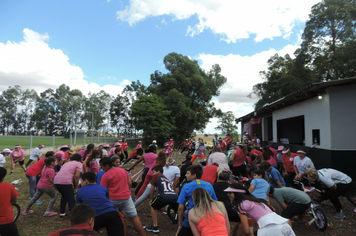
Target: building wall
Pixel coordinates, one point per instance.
(343, 117)
(316, 114)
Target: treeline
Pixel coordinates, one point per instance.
(173, 105)
(327, 52)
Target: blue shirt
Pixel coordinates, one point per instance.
(261, 188)
(99, 176)
(273, 175)
(97, 197)
(186, 195)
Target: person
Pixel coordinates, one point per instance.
(228, 141)
(238, 158)
(259, 210)
(192, 148)
(139, 145)
(36, 154)
(112, 150)
(208, 217)
(258, 141)
(215, 139)
(125, 147)
(8, 196)
(154, 143)
(118, 153)
(274, 178)
(267, 155)
(337, 184)
(293, 202)
(81, 222)
(62, 157)
(100, 173)
(193, 175)
(105, 149)
(245, 137)
(222, 145)
(211, 173)
(301, 164)
(82, 151)
(172, 172)
(183, 167)
(136, 154)
(219, 157)
(17, 155)
(199, 150)
(166, 196)
(45, 185)
(279, 157)
(90, 163)
(259, 187)
(167, 149)
(4, 153)
(171, 145)
(118, 183)
(97, 197)
(186, 146)
(288, 160)
(256, 156)
(68, 174)
(115, 161)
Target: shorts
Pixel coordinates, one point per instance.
(294, 209)
(20, 162)
(157, 203)
(125, 205)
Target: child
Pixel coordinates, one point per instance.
(116, 161)
(90, 163)
(100, 174)
(274, 177)
(259, 187)
(45, 185)
(166, 195)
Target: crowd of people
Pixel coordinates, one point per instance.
(97, 191)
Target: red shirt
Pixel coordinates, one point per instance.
(209, 174)
(36, 168)
(250, 162)
(78, 230)
(115, 180)
(274, 152)
(133, 154)
(7, 192)
(171, 143)
(222, 145)
(258, 152)
(187, 144)
(289, 162)
(239, 158)
(227, 139)
(124, 146)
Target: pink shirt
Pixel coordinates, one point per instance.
(18, 155)
(67, 172)
(36, 168)
(93, 166)
(272, 161)
(139, 146)
(116, 181)
(111, 152)
(253, 209)
(81, 152)
(150, 159)
(46, 175)
(274, 152)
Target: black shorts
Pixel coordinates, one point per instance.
(9, 230)
(20, 162)
(157, 203)
(294, 209)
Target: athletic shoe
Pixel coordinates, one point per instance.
(50, 213)
(154, 229)
(11, 173)
(38, 202)
(27, 212)
(180, 153)
(339, 215)
(63, 216)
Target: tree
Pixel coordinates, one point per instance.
(119, 112)
(227, 123)
(44, 115)
(99, 105)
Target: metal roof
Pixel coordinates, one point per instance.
(303, 94)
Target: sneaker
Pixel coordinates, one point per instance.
(63, 216)
(11, 173)
(38, 202)
(27, 212)
(339, 215)
(180, 154)
(154, 229)
(50, 213)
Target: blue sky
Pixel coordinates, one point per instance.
(94, 45)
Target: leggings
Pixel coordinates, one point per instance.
(333, 195)
(67, 196)
(49, 191)
(144, 185)
(195, 156)
(32, 180)
(144, 196)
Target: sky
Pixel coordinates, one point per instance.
(105, 44)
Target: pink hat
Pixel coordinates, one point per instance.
(280, 148)
(117, 144)
(285, 151)
(301, 152)
(58, 154)
(65, 146)
(229, 189)
(106, 146)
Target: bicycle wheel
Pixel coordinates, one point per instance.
(16, 210)
(322, 221)
(351, 195)
(172, 214)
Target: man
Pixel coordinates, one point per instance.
(36, 154)
(97, 197)
(8, 196)
(118, 183)
(193, 176)
(186, 146)
(293, 202)
(215, 139)
(81, 222)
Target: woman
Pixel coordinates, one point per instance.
(17, 155)
(336, 182)
(219, 157)
(268, 155)
(238, 158)
(288, 160)
(88, 151)
(301, 164)
(248, 206)
(125, 146)
(90, 163)
(63, 182)
(208, 217)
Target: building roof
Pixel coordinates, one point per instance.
(303, 94)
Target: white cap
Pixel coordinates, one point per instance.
(154, 141)
(6, 150)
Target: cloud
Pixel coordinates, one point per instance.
(231, 19)
(32, 64)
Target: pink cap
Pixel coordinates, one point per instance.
(117, 144)
(64, 146)
(285, 151)
(106, 146)
(280, 148)
(57, 154)
(229, 189)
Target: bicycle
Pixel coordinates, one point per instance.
(134, 177)
(16, 210)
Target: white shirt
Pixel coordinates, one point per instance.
(2, 160)
(330, 177)
(105, 153)
(171, 173)
(36, 151)
(303, 165)
(219, 158)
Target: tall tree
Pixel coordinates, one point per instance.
(44, 115)
(96, 107)
(119, 112)
(227, 124)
